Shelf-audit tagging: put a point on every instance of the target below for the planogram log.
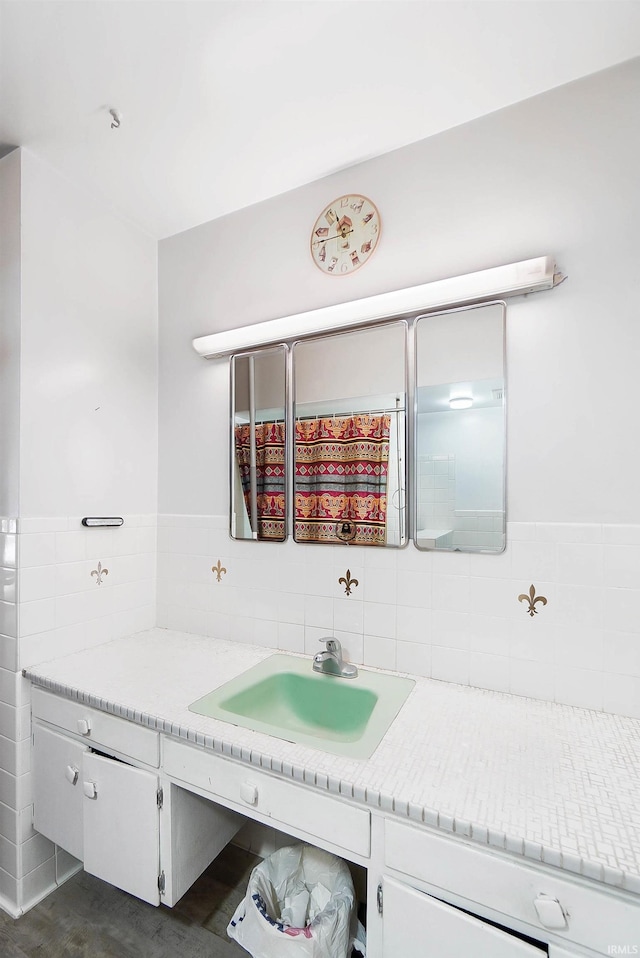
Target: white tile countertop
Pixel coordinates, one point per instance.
(553, 783)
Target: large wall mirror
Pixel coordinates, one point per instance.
(340, 475)
(460, 434)
(350, 437)
(349, 361)
(258, 450)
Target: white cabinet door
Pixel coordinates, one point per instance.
(57, 789)
(416, 924)
(121, 825)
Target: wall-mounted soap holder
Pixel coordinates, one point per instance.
(99, 521)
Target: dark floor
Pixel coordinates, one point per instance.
(86, 918)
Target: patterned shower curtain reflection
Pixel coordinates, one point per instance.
(270, 475)
(341, 468)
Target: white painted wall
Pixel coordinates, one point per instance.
(9, 333)
(556, 174)
(89, 353)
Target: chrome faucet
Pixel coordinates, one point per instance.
(330, 661)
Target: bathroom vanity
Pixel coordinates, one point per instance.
(488, 824)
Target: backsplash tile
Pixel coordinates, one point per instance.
(79, 587)
(414, 657)
(450, 616)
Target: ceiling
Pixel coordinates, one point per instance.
(228, 102)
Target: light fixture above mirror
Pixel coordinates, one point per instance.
(499, 282)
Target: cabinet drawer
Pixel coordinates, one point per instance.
(97, 728)
(447, 932)
(286, 803)
(594, 918)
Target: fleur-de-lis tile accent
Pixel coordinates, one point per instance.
(532, 598)
(219, 571)
(98, 573)
(348, 582)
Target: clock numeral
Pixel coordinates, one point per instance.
(344, 267)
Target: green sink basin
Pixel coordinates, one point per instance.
(285, 698)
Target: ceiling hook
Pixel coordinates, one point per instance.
(117, 116)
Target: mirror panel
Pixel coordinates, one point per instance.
(350, 437)
(258, 453)
(460, 447)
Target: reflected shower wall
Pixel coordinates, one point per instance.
(459, 478)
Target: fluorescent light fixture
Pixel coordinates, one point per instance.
(461, 402)
(499, 282)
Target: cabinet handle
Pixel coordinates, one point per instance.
(71, 774)
(249, 793)
(89, 789)
(549, 911)
(83, 726)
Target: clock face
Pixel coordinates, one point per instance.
(345, 235)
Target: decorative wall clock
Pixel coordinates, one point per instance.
(345, 235)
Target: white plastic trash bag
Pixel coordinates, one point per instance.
(300, 902)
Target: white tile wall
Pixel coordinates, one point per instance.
(51, 605)
(62, 607)
(450, 616)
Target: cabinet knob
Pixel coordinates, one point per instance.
(249, 793)
(89, 789)
(71, 774)
(83, 726)
(549, 911)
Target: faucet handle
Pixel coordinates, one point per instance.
(332, 644)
